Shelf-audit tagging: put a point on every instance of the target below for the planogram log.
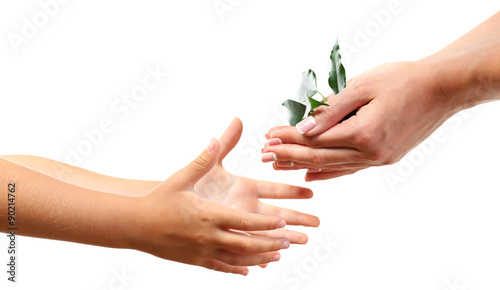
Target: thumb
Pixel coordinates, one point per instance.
(199, 167)
(325, 117)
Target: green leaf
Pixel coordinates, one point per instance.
(315, 104)
(297, 111)
(308, 88)
(337, 73)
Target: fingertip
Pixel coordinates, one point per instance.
(307, 192)
(213, 145)
(306, 239)
(310, 177)
(276, 257)
(244, 272)
(281, 224)
(306, 125)
(316, 222)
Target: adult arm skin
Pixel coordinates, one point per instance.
(398, 105)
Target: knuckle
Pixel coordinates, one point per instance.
(212, 265)
(328, 113)
(201, 162)
(391, 159)
(244, 247)
(205, 218)
(314, 141)
(362, 85)
(202, 239)
(245, 223)
(318, 159)
(236, 260)
(378, 156)
(364, 139)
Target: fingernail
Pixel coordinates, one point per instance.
(306, 125)
(211, 145)
(276, 257)
(286, 244)
(313, 170)
(269, 157)
(274, 141)
(282, 224)
(244, 272)
(285, 163)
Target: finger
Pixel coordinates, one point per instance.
(328, 175)
(266, 189)
(290, 165)
(325, 117)
(292, 217)
(240, 259)
(195, 170)
(274, 129)
(293, 236)
(216, 265)
(238, 220)
(243, 243)
(319, 157)
(338, 136)
(263, 265)
(230, 138)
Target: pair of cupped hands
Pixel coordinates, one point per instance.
(216, 220)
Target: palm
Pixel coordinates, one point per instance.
(221, 187)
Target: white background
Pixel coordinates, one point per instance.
(437, 226)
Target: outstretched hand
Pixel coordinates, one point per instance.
(174, 223)
(221, 187)
(202, 215)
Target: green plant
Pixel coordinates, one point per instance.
(306, 103)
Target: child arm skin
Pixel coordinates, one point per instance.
(232, 191)
(170, 221)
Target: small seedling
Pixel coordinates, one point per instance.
(306, 103)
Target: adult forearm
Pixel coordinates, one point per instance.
(82, 177)
(467, 72)
(49, 208)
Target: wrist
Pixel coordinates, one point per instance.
(461, 80)
(124, 219)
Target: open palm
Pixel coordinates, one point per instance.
(221, 187)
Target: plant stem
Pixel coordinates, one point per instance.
(324, 99)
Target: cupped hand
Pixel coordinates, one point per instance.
(396, 105)
(173, 222)
(221, 187)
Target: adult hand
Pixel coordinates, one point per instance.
(174, 223)
(398, 106)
